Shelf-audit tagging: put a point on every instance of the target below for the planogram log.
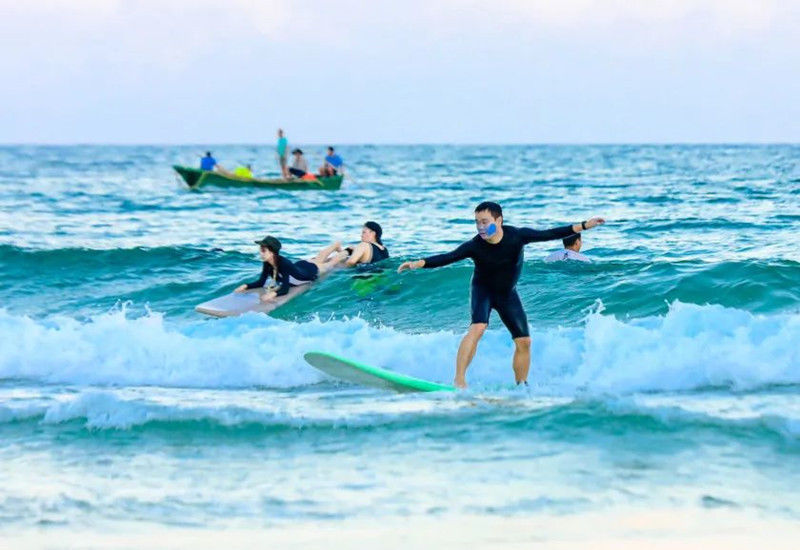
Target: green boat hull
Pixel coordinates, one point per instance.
(194, 178)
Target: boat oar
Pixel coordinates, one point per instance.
(349, 175)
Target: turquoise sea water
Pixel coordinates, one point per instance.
(665, 374)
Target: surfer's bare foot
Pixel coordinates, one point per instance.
(241, 288)
(460, 382)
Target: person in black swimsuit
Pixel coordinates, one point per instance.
(371, 249)
(287, 273)
(497, 252)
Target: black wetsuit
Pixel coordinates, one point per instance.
(497, 269)
(378, 253)
(302, 271)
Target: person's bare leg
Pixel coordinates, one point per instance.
(323, 254)
(466, 351)
(522, 359)
(329, 262)
(326, 266)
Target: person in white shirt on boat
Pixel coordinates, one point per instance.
(572, 246)
(299, 167)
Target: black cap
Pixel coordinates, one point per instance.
(270, 243)
(297, 151)
(376, 228)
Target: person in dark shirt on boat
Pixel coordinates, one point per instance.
(299, 167)
(287, 273)
(371, 249)
(208, 162)
(333, 163)
(497, 252)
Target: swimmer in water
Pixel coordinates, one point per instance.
(572, 247)
(371, 249)
(497, 252)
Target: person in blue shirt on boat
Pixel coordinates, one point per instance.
(283, 145)
(332, 165)
(208, 162)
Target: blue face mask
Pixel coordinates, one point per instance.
(486, 231)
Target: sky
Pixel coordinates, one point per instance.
(411, 71)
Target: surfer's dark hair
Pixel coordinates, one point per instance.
(494, 209)
(569, 241)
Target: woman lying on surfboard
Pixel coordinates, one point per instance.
(287, 273)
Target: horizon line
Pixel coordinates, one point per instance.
(390, 144)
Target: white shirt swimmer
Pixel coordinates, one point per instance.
(572, 246)
(562, 255)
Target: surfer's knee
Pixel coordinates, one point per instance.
(476, 330)
(523, 343)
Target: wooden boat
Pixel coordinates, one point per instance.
(194, 178)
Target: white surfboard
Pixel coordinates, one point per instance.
(249, 301)
(239, 303)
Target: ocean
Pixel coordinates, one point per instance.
(664, 398)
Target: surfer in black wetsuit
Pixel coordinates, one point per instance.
(287, 273)
(497, 252)
(371, 249)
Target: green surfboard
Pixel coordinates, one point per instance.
(367, 375)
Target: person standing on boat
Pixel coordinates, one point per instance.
(299, 167)
(497, 252)
(333, 163)
(208, 162)
(283, 145)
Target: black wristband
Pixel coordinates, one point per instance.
(583, 225)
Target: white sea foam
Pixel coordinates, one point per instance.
(688, 348)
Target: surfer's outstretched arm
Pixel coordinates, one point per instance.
(533, 235)
(461, 253)
(417, 264)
